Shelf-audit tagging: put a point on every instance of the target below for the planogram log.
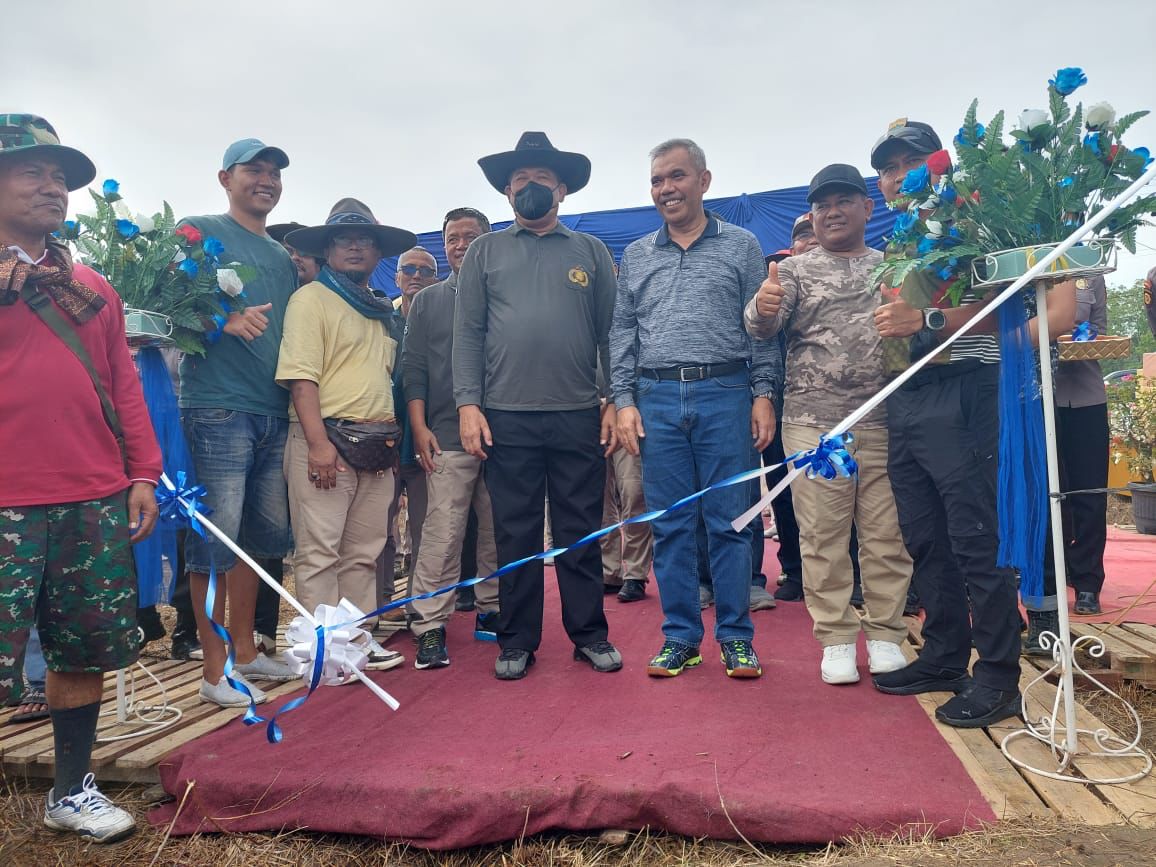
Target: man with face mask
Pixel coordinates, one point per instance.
(531, 324)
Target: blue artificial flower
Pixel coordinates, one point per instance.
(127, 229)
(1066, 182)
(189, 267)
(70, 226)
(925, 246)
(961, 136)
(1144, 154)
(948, 193)
(110, 188)
(904, 224)
(1092, 141)
(916, 180)
(945, 273)
(1068, 79)
(212, 247)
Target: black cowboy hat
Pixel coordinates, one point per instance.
(278, 231)
(534, 150)
(350, 214)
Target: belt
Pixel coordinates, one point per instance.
(692, 372)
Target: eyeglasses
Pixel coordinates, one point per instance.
(423, 270)
(345, 242)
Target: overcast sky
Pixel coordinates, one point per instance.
(394, 102)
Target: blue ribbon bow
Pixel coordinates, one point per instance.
(1084, 332)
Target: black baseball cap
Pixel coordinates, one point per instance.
(918, 136)
(834, 176)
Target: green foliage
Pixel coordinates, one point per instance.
(142, 258)
(1126, 318)
(1132, 410)
(1036, 190)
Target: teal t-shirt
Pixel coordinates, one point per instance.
(235, 373)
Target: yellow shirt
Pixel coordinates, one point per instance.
(349, 356)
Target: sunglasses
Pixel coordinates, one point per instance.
(423, 270)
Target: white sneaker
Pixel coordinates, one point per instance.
(89, 814)
(839, 664)
(265, 644)
(225, 696)
(380, 659)
(266, 668)
(884, 656)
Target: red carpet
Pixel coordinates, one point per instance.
(471, 760)
(1130, 570)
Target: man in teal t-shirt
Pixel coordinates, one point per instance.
(235, 418)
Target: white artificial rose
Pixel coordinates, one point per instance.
(934, 228)
(1030, 118)
(145, 224)
(230, 282)
(121, 210)
(1100, 115)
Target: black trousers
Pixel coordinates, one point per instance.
(536, 452)
(1082, 433)
(790, 557)
(944, 438)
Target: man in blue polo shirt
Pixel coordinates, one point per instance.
(687, 382)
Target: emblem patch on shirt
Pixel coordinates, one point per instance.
(579, 276)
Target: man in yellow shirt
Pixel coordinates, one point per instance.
(337, 357)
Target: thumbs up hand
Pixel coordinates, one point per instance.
(769, 298)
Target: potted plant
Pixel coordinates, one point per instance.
(175, 284)
(1132, 415)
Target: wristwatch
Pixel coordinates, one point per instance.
(934, 319)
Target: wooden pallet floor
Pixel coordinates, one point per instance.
(1015, 793)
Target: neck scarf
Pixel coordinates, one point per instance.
(54, 277)
(360, 298)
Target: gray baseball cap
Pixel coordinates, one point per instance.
(248, 149)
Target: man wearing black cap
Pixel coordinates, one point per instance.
(530, 326)
(307, 266)
(944, 436)
(824, 301)
(235, 419)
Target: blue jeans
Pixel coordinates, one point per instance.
(698, 433)
(238, 457)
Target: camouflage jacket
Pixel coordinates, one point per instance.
(834, 359)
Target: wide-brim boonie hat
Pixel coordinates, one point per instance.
(351, 214)
(534, 150)
(29, 133)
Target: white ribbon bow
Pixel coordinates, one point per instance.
(346, 648)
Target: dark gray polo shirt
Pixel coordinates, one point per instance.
(427, 359)
(532, 320)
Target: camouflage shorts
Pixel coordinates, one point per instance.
(69, 568)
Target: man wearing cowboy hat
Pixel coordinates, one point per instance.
(531, 324)
(72, 500)
(307, 266)
(235, 420)
(336, 360)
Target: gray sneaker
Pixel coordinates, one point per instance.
(512, 664)
(705, 596)
(761, 599)
(601, 655)
(223, 695)
(266, 668)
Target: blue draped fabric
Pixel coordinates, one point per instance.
(161, 401)
(769, 216)
(1022, 492)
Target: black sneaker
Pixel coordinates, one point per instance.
(610, 589)
(186, 647)
(486, 626)
(980, 706)
(919, 677)
(465, 600)
(740, 659)
(791, 590)
(431, 650)
(512, 664)
(672, 659)
(632, 590)
(1038, 623)
(1088, 602)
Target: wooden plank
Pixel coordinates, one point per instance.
(1135, 664)
(1140, 635)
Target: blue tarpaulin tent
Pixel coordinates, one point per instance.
(768, 215)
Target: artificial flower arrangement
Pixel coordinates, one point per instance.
(159, 268)
(1060, 168)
